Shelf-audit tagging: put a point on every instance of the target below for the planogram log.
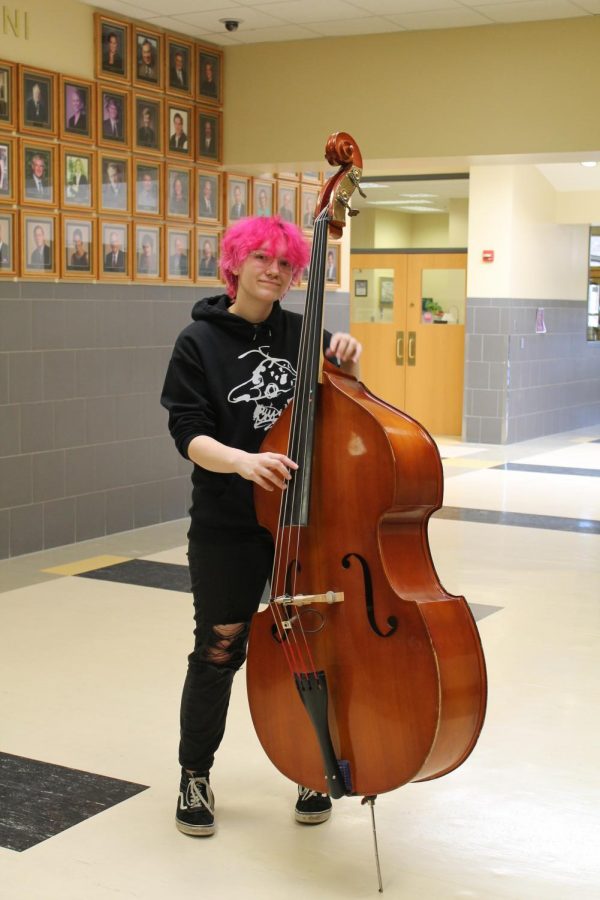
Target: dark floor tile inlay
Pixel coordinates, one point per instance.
(522, 520)
(39, 800)
(146, 573)
(548, 470)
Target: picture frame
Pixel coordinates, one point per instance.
(308, 202)
(208, 136)
(112, 38)
(8, 245)
(179, 129)
(179, 259)
(262, 196)
(78, 177)
(208, 252)
(148, 243)
(39, 244)
(113, 117)
(310, 177)
(287, 201)
(114, 181)
(386, 291)
(8, 95)
(179, 189)
(237, 197)
(8, 169)
(114, 263)
(38, 180)
(37, 106)
(77, 109)
(179, 66)
(147, 183)
(208, 197)
(78, 258)
(147, 130)
(361, 287)
(332, 266)
(147, 58)
(209, 75)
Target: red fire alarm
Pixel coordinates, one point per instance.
(488, 256)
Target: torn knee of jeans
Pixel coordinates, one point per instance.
(226, 645)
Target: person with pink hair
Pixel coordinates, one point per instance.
(231, 374)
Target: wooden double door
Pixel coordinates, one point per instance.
(413, 356)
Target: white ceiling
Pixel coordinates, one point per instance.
(294, 20)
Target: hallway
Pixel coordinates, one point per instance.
(93, 645)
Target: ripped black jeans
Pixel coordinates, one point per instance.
(228, 574)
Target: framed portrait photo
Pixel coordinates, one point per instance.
(147, 264)
(262, 196)
(77, 110)
(79, 250)
(8, 186)
(208, 136)
(179, 66)
(78, 180)
(179, 189)
(237, 197)
(113, 183)
(178, 254)
(147, 123)
(147, 55)
(209, 70)
(332, 265)
(147, 184)
(37, 108)
(39, 238)
(311, 177)
(208, 196)
(112, 38)
(8, 95)
(207, 255)
(113, 117)
(179, 129)
(308, 204)
(114, 256)
(287, 201)
(38, 174)
(8, 254)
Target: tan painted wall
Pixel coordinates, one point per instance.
(523, 88)
(60, 35)
(512, 211)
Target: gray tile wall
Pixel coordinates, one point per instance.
(84, 446)
(521, 385)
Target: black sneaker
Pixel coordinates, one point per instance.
(312, 808)
(196, 805)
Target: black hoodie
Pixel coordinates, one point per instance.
(229, 379)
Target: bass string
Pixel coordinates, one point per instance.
(310, 349)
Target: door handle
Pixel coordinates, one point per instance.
(412, 348)
(399, 348)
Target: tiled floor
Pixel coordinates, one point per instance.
(93, 644)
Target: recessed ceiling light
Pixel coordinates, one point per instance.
(589, 164)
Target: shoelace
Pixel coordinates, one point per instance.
(194, 796)
(306, 793)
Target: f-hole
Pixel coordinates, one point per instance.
(369, 601)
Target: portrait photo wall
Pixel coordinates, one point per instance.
(120, 177)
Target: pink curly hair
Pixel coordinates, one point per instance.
(277, 237)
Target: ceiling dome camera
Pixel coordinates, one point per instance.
(231, 24)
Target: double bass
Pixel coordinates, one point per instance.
(363, 673)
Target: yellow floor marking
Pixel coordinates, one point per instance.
(467, 463)
(86, 565)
